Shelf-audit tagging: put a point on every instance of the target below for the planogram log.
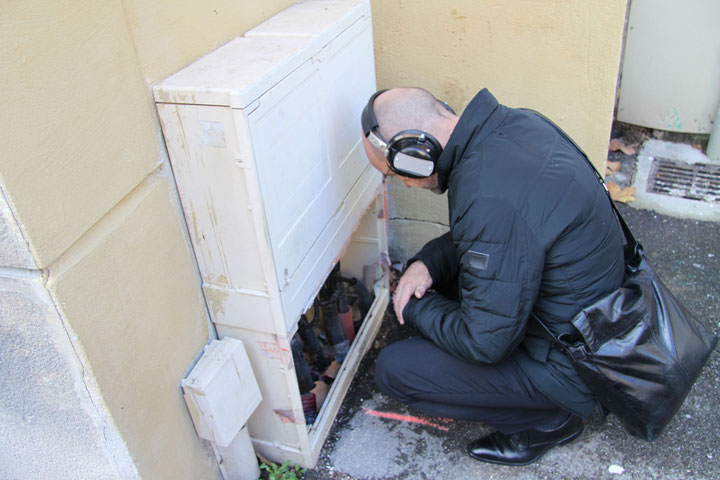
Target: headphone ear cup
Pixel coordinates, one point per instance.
(413, 153)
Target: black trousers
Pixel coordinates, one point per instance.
(416, 372)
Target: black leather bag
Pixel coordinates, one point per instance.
(638, 350)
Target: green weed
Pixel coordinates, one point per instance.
(283, 472)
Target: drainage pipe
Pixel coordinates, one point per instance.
(713, 148)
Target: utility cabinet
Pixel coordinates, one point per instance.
(264, 141)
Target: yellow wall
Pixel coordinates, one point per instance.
(169, 34)
(560, 57)
(79, 123)
(84, 170)
(78, 130)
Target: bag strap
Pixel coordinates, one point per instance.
(634, 250)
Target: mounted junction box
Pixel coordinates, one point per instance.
(221, 391)
(264, 141)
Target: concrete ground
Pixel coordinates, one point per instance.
(366, 445)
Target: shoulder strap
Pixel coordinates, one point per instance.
(633, 253)
(633, 249)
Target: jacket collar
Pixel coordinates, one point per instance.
(481, 117)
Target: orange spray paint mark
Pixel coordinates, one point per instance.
(406, 418)
(275, 352)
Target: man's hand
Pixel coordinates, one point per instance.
(415, 281)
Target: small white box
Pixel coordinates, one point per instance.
(221, 391)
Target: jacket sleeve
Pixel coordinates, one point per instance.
(500, 269)
(440, 258)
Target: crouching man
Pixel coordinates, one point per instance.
(531, 234)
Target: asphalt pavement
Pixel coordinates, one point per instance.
(375, 437)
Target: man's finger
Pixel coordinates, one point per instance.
(398, 314)
(402, 295)
(398, 310)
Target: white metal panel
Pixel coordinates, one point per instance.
(241, 308)
(294, 169)
(235, 74)
(348, 78)
(205, 144)
(299, 293)
(240, 71)
(307, 146)
(366, 246)
(279, 417)
(264, 141)
(313, 18)
(670, 77)
(277, 425)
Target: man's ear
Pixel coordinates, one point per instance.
(412, 182)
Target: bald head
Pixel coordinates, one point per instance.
(401, 109)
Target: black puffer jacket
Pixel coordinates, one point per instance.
(531, 230)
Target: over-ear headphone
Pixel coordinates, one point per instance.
(410, 153)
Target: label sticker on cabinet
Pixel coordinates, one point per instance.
(212, 134)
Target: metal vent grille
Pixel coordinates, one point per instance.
(699, 181)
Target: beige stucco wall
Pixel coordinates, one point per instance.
(91, 231)
(101, 301)
(557, 56)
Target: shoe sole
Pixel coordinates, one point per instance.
(564, 441)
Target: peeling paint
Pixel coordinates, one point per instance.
(216, 299)
(290, 416)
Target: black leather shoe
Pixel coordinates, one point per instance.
(524, 447)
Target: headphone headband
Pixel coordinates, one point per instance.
(410, 153)
(370, 126)
(369, 122)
